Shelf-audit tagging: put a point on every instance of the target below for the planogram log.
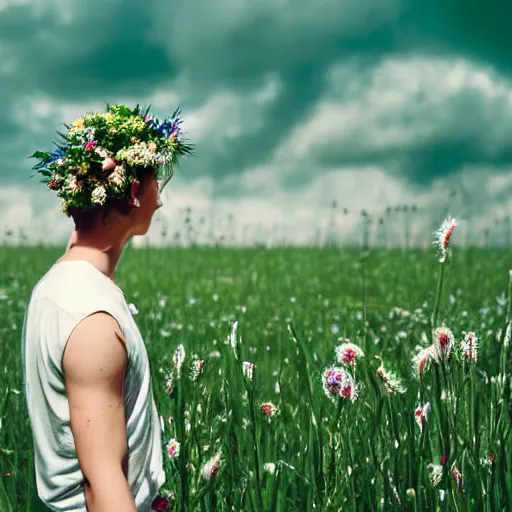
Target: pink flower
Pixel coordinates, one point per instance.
(444, 459)
(347, 353)
(108, 164)
(268, 409)
(337, 382)
(173, 449)
(91, 144)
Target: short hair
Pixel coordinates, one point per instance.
(85, 219)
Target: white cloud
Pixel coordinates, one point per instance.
(301, 215)
(400, 104)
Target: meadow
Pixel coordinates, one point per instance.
(382, 431)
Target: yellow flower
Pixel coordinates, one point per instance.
(79, 123)
(82, 170)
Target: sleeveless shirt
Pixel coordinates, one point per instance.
(69, 292)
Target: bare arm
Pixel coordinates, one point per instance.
(94, 365)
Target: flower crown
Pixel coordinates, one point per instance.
(102, 154)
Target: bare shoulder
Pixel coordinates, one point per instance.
(95, 351)
(94, 364)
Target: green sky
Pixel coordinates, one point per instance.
(291, 103)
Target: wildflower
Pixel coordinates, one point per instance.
(443, 235)
(248, 370)
(133, 309)
(169, 383)
(178, 359)
(347, 353)
(420, 415)
(444, 459)
(173, 449)
(469, 346)
(391, 381)
(421, 361)
(270, 467)
(79, 123)
(269, 409)
(161, 504)
(211, 467)
(337, 382)
(436, 473)
(232, 338)
(91, 144)
(99, 195)
(197, 369)
(117, 178)
(458, 478)
(443, 343)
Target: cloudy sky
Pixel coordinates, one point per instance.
(292, 104)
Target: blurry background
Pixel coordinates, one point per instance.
(316, 122)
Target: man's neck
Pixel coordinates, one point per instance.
(103, 256)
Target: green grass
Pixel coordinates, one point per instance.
(366, 455)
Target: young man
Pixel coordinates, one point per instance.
(86, 371)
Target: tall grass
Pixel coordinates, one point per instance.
(291, 306)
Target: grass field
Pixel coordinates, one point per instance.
(359, 451)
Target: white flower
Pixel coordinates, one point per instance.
(71, 184)
(443, 235)
(337, 383)
(99, 195)
(117, 178)
(210, 468)
(102, 152)
(248, 369)
(347, 353)
(469, 346)
(420, 414)
(133, 309)
(178, 359)
(270, 467)
(443, 343)
(173, 449)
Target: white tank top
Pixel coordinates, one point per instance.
(69, 292)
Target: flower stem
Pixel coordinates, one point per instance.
(435, 311)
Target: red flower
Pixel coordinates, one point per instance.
(444, 459)
(160, 503)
